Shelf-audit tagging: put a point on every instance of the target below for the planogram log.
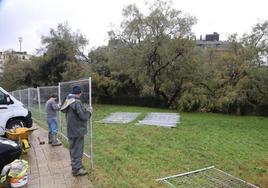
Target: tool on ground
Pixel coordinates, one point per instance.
(40, 142)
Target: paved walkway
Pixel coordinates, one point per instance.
(49, 167)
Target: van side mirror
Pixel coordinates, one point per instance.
(8, 100)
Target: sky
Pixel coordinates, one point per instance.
(30, 19)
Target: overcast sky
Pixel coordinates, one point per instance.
(30, 19)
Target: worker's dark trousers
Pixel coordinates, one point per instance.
(76, 148)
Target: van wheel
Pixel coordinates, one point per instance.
(16, 123)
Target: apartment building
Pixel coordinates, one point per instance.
(5, 55)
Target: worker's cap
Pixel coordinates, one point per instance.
(76, 89)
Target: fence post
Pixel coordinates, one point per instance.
(90, 124)
(59, 97)
(39, 103)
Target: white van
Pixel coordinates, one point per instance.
(12, 113)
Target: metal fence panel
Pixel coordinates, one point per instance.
(121, 117)
(161, 119)
(209, 177)
(35, 99)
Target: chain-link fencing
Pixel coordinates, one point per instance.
(34, 99)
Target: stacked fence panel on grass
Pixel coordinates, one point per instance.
(121, 117)
(161, 119)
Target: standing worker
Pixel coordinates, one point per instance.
(76, 116)
(51, 109)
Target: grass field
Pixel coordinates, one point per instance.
(134, 156)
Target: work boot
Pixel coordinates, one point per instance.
(80, 172)
(49, 138)
(55, 141)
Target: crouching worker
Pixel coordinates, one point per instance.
(51, 109)
(76, 116)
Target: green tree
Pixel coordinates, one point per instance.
(18, 74)
(231, 79)
(75, 71)
(256, 44)
(154, 49)
(99, 61)
(61, 47)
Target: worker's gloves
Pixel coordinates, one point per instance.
(90, 109)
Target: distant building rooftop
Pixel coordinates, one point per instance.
(212, 37)
(211, 40)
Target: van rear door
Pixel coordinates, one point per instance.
(5, 112)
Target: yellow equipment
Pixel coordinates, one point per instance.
(21, 135)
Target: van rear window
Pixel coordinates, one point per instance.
(2, 98)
